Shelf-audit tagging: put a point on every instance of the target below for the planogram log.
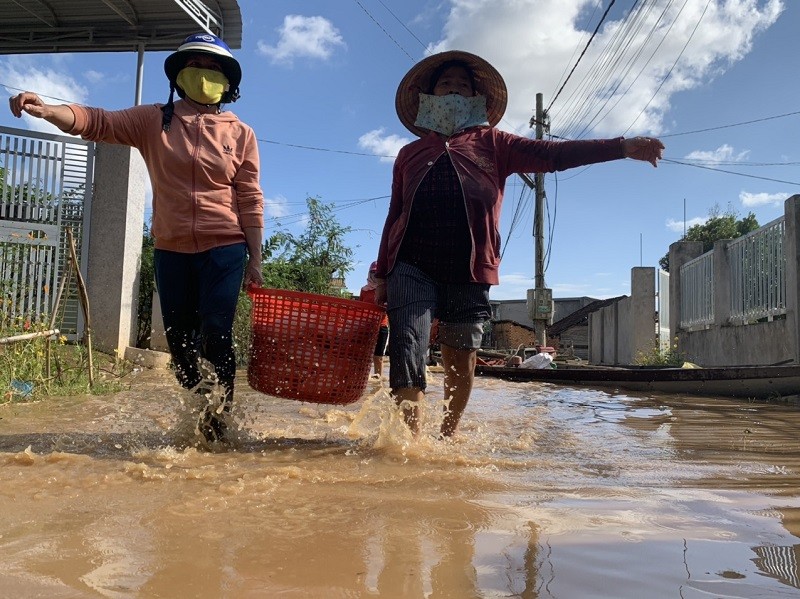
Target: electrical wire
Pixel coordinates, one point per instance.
(720, 170)
(767, 118)
(577, 62)
(585, 94)
(669, 73)
(421, 43)
(279, 143)
(381, 27)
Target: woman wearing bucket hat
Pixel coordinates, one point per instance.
(207, 204)
(440, 248)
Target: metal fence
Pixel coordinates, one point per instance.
(758, 274)
(45, 188)
(757, 283)
(697, 292)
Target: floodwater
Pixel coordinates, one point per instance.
(546, 491)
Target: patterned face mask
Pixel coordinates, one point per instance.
(451, 113)
(204, 86)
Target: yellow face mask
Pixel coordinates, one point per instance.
(205, 86)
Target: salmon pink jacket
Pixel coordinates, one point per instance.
(204, 171)
(483, 158)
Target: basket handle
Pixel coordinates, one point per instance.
(253, 289)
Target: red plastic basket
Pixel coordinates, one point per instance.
(311, 347)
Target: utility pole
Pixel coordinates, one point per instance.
(540, 299)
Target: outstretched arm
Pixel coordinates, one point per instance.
(60, 115)
(643, 148)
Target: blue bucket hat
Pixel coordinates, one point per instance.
(201, 43)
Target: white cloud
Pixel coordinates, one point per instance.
(724, 153)
(678, 226)
(29, 74)
(101, 78)
(276, 207)
(512, 286)
(303, 37)
(631, 95)
(385, 146)
(753, 200)
(94, 76)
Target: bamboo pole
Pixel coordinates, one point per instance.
(84, 297)
(65, 281)
(26, 336)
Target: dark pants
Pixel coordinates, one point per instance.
(198, 294)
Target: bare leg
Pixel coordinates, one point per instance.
(412, 397)
(377, 364)
(459, 373)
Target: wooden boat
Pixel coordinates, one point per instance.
(755, 382)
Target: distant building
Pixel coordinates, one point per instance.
(512, 327)
(507, 334)
(570, 335)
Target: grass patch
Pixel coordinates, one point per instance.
(34, 368)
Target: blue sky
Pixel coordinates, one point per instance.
(320, 79)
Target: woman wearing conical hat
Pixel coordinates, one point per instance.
(440, 248)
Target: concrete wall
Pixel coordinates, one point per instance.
(619, 333)
(727, 344)
(759, 344)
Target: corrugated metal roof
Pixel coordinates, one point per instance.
(37, 26)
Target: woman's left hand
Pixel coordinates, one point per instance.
(252, 274)
(643, 148)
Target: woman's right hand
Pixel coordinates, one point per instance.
(29, 103)
(59, 115)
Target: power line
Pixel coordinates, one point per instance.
(279, 143)
(384, 30)
(719, 170)
(767, 118)
(299, 216)
(674, 64)
(421, 43)
(605, 14)
(40, 94)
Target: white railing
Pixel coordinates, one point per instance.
(697, 291)
(758, 274)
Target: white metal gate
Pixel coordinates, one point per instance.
(45, 188)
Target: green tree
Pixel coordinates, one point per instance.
(307, 262)
(719, 225)
(310, 261)
(147, 284)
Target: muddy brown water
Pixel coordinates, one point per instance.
(546, 491)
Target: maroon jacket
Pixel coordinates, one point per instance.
(483, 158)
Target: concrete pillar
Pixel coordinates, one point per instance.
(680, 253)
(115, 246)
(792, 252)
(643, 310)
(722, 283)
(596, 336)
